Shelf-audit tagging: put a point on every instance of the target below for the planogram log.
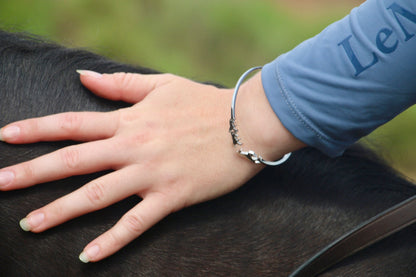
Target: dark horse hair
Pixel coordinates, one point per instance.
(268, 227)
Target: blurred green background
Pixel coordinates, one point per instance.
(204, 40)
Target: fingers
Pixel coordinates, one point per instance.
(96, 195)
(93, 196)
(81, 126)
(72, 160)
(128, 87)
(84, 126)
(139, 219)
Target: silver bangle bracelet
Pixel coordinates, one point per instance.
(251, 155)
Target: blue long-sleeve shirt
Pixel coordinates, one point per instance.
(354, 76)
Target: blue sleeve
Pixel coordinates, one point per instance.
(354, 76)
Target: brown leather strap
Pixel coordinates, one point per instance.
(380, 226)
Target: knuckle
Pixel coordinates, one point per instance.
(123, 80)
(70, 157)
(135, 141)
(126, 117)
(115, 239)
(95, 192)
(28, 171)
(170, 204)
(70, 122)
(134, 223)
(33, 125)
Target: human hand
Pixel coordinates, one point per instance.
(172, 148)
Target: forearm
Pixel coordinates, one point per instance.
(354, 76)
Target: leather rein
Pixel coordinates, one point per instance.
(369, 232)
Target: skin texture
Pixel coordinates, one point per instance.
(171, 148)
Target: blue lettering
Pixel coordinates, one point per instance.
(396, 9)
(382, 36)
(359, 68)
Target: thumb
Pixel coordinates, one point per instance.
(128, 87)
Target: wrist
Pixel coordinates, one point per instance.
(259, 127)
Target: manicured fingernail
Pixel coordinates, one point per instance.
(32, 221)
(9, 132)
(24, 225)
(89, 73)
(88, 254)
(6, 177)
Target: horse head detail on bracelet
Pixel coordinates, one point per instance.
(251, 155)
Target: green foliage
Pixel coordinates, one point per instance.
(204, 40)
(213, 39)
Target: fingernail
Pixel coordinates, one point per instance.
(88, 254)
(24, 225)
(9, 132)
(32, 221)
(6, 177)
(89, 73)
